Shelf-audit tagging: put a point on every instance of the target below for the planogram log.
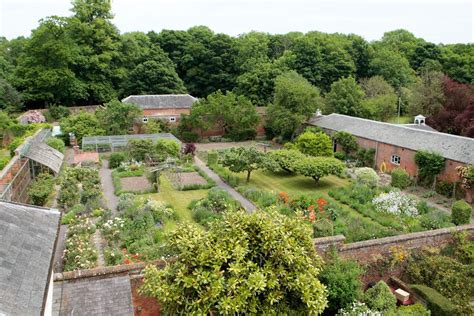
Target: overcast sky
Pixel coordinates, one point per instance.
(448, 21)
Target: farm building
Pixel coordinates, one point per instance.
(396, 145)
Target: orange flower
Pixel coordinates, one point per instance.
(283, 197)
(312, 217)
(311, 208)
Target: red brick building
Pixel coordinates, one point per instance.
(396, 145)
(165, 107)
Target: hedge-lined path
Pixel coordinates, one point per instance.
(246, 204)
(110, 198)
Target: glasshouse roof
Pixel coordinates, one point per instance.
(122, 140)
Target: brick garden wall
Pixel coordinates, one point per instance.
(368, 251)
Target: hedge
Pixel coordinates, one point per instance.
(115, 159)
(461, 213)
(437, 303)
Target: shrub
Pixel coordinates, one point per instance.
(56, 143)
(395, 202)
(165, 148)
(445, 188)
(79, 253)
(365, 157)
(342, 280)
(189, 149)
(314, 144)
(113, 256)
(241, 135)
(358, 309)
(367, 176)
(435, 219)
(189, 137)
(411, 310)
(115, 159)
(429, 165)
(380, 298)
(57, 112)
(285, 159)
(125, 201)
(461, 212)
(3, 162)
(346, 140)
(340, 155)
(318, 167)
(138, 149)
(400, 178)
(41, 188)
(67, 218)
(437, 303)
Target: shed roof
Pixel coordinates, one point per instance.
(27, 241)
(45, 155)
(452, 147)
(94, 296)
(162, 101)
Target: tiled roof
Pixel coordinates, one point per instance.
(93, 296)
(27, 240)
(162, 101)
(452, 147)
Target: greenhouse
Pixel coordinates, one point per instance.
(119, 142)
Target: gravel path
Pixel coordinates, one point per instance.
(249, 206)
(110, 198)
(97, 240)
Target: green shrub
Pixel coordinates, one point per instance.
(340, 155)
(445, 188)
(98, 212)
(14, 145)
(241, 135)
(380, 298)
(367, 176)
(67, 218)
(56, 143)
(342, 280)
(113, 256)
(4, 161)
(189, 137)
(365, 157)
(437, 303)
(57, 112)
(461, 212)
(314, 144)
(400, 178)
(41, 188)
(435, 219)
(115, 159)
(411, 310)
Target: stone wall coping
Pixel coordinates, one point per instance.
(407, 237)
(329, 240)
(108, 271)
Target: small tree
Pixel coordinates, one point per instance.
(346, 140)
(244, 264)
(461, 213)
(318, 167)
(82, 124)
(165, 148)
(430, 164)
(139, 148)
(367, 176)
(117, 117)
(243, 159)
(314, 144)
(285, 159)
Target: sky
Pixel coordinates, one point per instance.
(437, 21)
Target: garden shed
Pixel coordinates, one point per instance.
(119, 142)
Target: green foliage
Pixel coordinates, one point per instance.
(318, 167)
(437, 303)
(41, 188)
(461, 212)
(165, 148)
(295, 100)
(117, 118)
(346, 140)
(393, 67)
(80, 185)
(80, 253)
(115, 159)
(261, 256)
(82, 124)
(367, 176)
(411, 310)
(314, 144)
(342, 279)
(340, 155)
(57, 112)
(57, 144)
(345, 97)
(430, 164)
(445, 188)
(242, 159)
(138, 149)
(400, 178)
(212, 157)
(235, 115)
(365, 157)
(380, 298)
(427, 97)
(285, 159)
(382, 107)
(10, 98)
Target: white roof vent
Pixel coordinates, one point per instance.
(420, 119)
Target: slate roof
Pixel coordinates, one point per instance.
(93, 296)
(27, 241)
(162, 101)
(45, 155)
(452, 147)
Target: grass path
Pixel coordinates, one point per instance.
(178, 199)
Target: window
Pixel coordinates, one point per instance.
(172, 119)
(395, 159)
(145, 119)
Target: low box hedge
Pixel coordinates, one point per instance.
(437, 303)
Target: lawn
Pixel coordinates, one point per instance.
(291, 183)
(4, 153)
(403, 120)
(178, 199)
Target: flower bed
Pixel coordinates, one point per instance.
(80, 185)
(80, 253)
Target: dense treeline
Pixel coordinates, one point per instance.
(83, 59)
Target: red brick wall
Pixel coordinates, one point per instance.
(143, 306)
(370, 250)
(166, 112)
